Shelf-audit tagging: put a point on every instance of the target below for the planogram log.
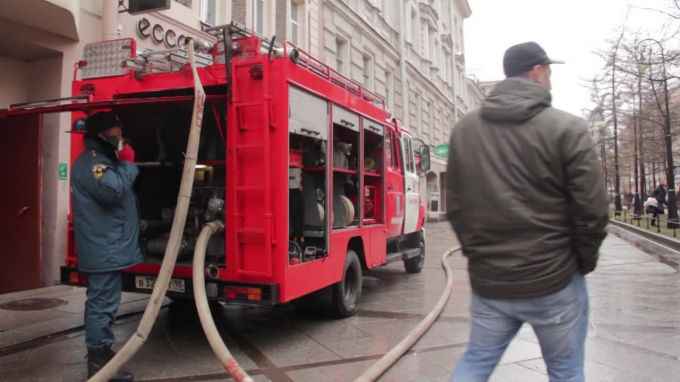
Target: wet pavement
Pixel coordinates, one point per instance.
(634, 333)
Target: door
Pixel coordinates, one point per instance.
(394, 184)
(20, 265)
(411, 185)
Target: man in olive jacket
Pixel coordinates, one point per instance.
(106, 225)
(526, 198)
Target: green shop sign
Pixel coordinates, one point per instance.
(442, 151)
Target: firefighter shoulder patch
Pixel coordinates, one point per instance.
(98, 170)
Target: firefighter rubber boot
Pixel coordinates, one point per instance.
(98, 357)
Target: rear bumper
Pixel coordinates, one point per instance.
(216, 288)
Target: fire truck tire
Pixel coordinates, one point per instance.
(347, 292)
(415, 264)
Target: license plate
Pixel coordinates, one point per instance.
(148, 282)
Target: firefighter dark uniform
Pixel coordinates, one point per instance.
(106, 224)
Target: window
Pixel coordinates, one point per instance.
(389, 90)
(419, 113)
(408, 152)
(387, 11)
(430, 119)
(295, 22)
(426, 41)
(449, 69)
(209, 11)
(368, 71)
(258, 16)
(394, 147)
(414, 29)
(388, 149)
(341, 55)
(435, 58)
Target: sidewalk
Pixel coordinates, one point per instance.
(634, 333)
(18, 326)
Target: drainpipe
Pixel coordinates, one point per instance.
(454, 76)
(110, 20)
(321, 49)
(402, 67)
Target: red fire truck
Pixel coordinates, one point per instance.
(312, 178)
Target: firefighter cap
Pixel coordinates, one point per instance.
(102, 121)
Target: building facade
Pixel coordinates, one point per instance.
(40, 41)
(409, 51)
(412, 53)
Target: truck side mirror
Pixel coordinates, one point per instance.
(425, 157)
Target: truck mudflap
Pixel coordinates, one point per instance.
(181, 287)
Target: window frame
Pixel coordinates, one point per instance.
(204, 12)
(368, 71)
(255, 16)
(295, 24)
(341, 41)
(394, 163)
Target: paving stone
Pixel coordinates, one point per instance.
(634, 335)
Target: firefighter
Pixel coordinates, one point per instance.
(106, 223)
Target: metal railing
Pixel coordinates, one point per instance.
(642, 220)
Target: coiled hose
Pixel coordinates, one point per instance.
(389, 359)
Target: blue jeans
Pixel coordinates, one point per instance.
(103, 298)
(560, 321)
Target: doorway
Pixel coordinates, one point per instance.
(20, 203)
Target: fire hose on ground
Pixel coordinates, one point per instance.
(177, 231)
(389, 359)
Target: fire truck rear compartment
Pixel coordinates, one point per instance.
(159, 134)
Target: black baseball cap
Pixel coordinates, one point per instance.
(523, 57)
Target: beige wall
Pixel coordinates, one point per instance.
(51, 77)
(45, 83)
(13, 82)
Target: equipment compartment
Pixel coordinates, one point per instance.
(159, 134)
(373, 172)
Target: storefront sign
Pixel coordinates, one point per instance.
(159, 34)
(442, 151)
(63, 168)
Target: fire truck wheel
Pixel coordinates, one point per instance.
(347, 292)
(415, 264)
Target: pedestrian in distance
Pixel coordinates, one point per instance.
(659, 194)
(106, 224)
(527, 201)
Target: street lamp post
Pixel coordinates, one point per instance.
(641, 152)
(670, 176)
(636, 201)
(617, 179)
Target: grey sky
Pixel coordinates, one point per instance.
(567, 30)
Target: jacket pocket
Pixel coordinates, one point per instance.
(115, 234)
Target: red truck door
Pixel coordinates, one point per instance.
(394, 185)
(20, 261)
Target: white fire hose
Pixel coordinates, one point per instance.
(204, 314)
(176, 233)
(402, 347)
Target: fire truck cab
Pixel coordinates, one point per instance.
(313, 179)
